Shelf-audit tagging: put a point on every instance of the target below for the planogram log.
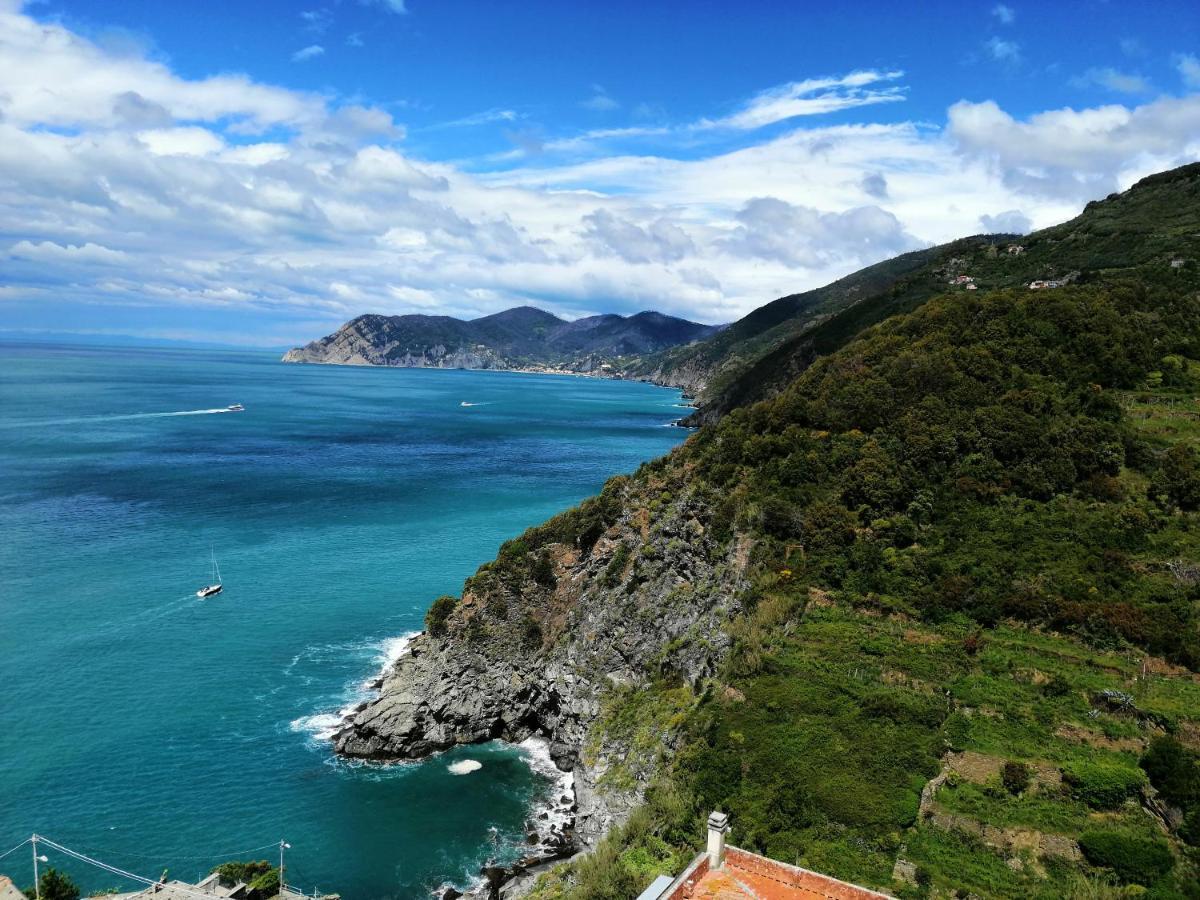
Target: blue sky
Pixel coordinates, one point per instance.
(258, 173)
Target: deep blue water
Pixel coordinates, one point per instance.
(161, 731)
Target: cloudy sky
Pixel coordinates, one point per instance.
(257, 173)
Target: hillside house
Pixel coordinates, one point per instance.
(1044, 285)
(1177, 264)
(724, 872)
(1014, 249)
(962, 279)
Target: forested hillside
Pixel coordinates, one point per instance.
(927, 618)
(976, 560)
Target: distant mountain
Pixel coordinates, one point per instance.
(516, 338)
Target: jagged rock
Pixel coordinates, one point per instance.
(451, 894)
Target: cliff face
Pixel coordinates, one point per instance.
(543, 636)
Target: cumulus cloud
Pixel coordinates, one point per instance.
(660, 241)
(1005, 14)
(1078, 153)
(312, 51)
(802, 236)
(124, 183)
(1011, 221)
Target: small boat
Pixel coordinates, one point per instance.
(215, 587)
(236, 407)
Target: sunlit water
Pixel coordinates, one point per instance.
(158, 730)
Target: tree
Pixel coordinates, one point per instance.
(55, 885)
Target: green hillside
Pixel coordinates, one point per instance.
(966, 663)
(1143, 229)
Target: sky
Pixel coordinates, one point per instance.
(259, 173)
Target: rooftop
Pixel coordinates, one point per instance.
(8, 890)
(724, 872)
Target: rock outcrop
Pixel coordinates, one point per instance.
(544, 634)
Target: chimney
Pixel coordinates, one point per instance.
(718, 826)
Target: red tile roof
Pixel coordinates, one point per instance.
(748, 875)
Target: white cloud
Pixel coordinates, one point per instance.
(1078, 153)
(55, 78)
(187, 141)
(813, 96)
(1113, 80)
(317, 20)
(394, 6)
(486, 117)
(136, 186)
(1189, 70)
(312, 51)
(1003, 51)
(48, 251)
(354, 39)
(660, 241)
(773, 229)
(1004, 13)
(600, 101)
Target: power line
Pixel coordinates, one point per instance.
(16, 848)
(114, 870)
(173, 856)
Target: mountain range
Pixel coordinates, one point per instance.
(515, 338)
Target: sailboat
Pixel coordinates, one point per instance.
(215, 587)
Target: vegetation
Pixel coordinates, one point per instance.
(971, 530)
(54, 885)
(259, 876)
(439, 611)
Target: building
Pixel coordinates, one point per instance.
(1043, 285)
(962, 279)
(724, 872)
(9, 891)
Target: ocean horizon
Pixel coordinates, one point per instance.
(153, 729)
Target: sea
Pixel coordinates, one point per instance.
(155, 731)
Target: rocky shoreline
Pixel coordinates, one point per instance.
(537, 644)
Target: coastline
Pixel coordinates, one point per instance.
(550, 825)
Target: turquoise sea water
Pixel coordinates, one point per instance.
(159, 731)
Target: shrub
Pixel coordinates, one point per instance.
(1174, 771)
(1015, 777)
(616, 566)
(1135, 860)
(1103, 785)
(543, 570)
(439, 612)
(531, 633)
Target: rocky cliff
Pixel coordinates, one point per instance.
(592, 604)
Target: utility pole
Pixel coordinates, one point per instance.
(37, 881)
(283, 845)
